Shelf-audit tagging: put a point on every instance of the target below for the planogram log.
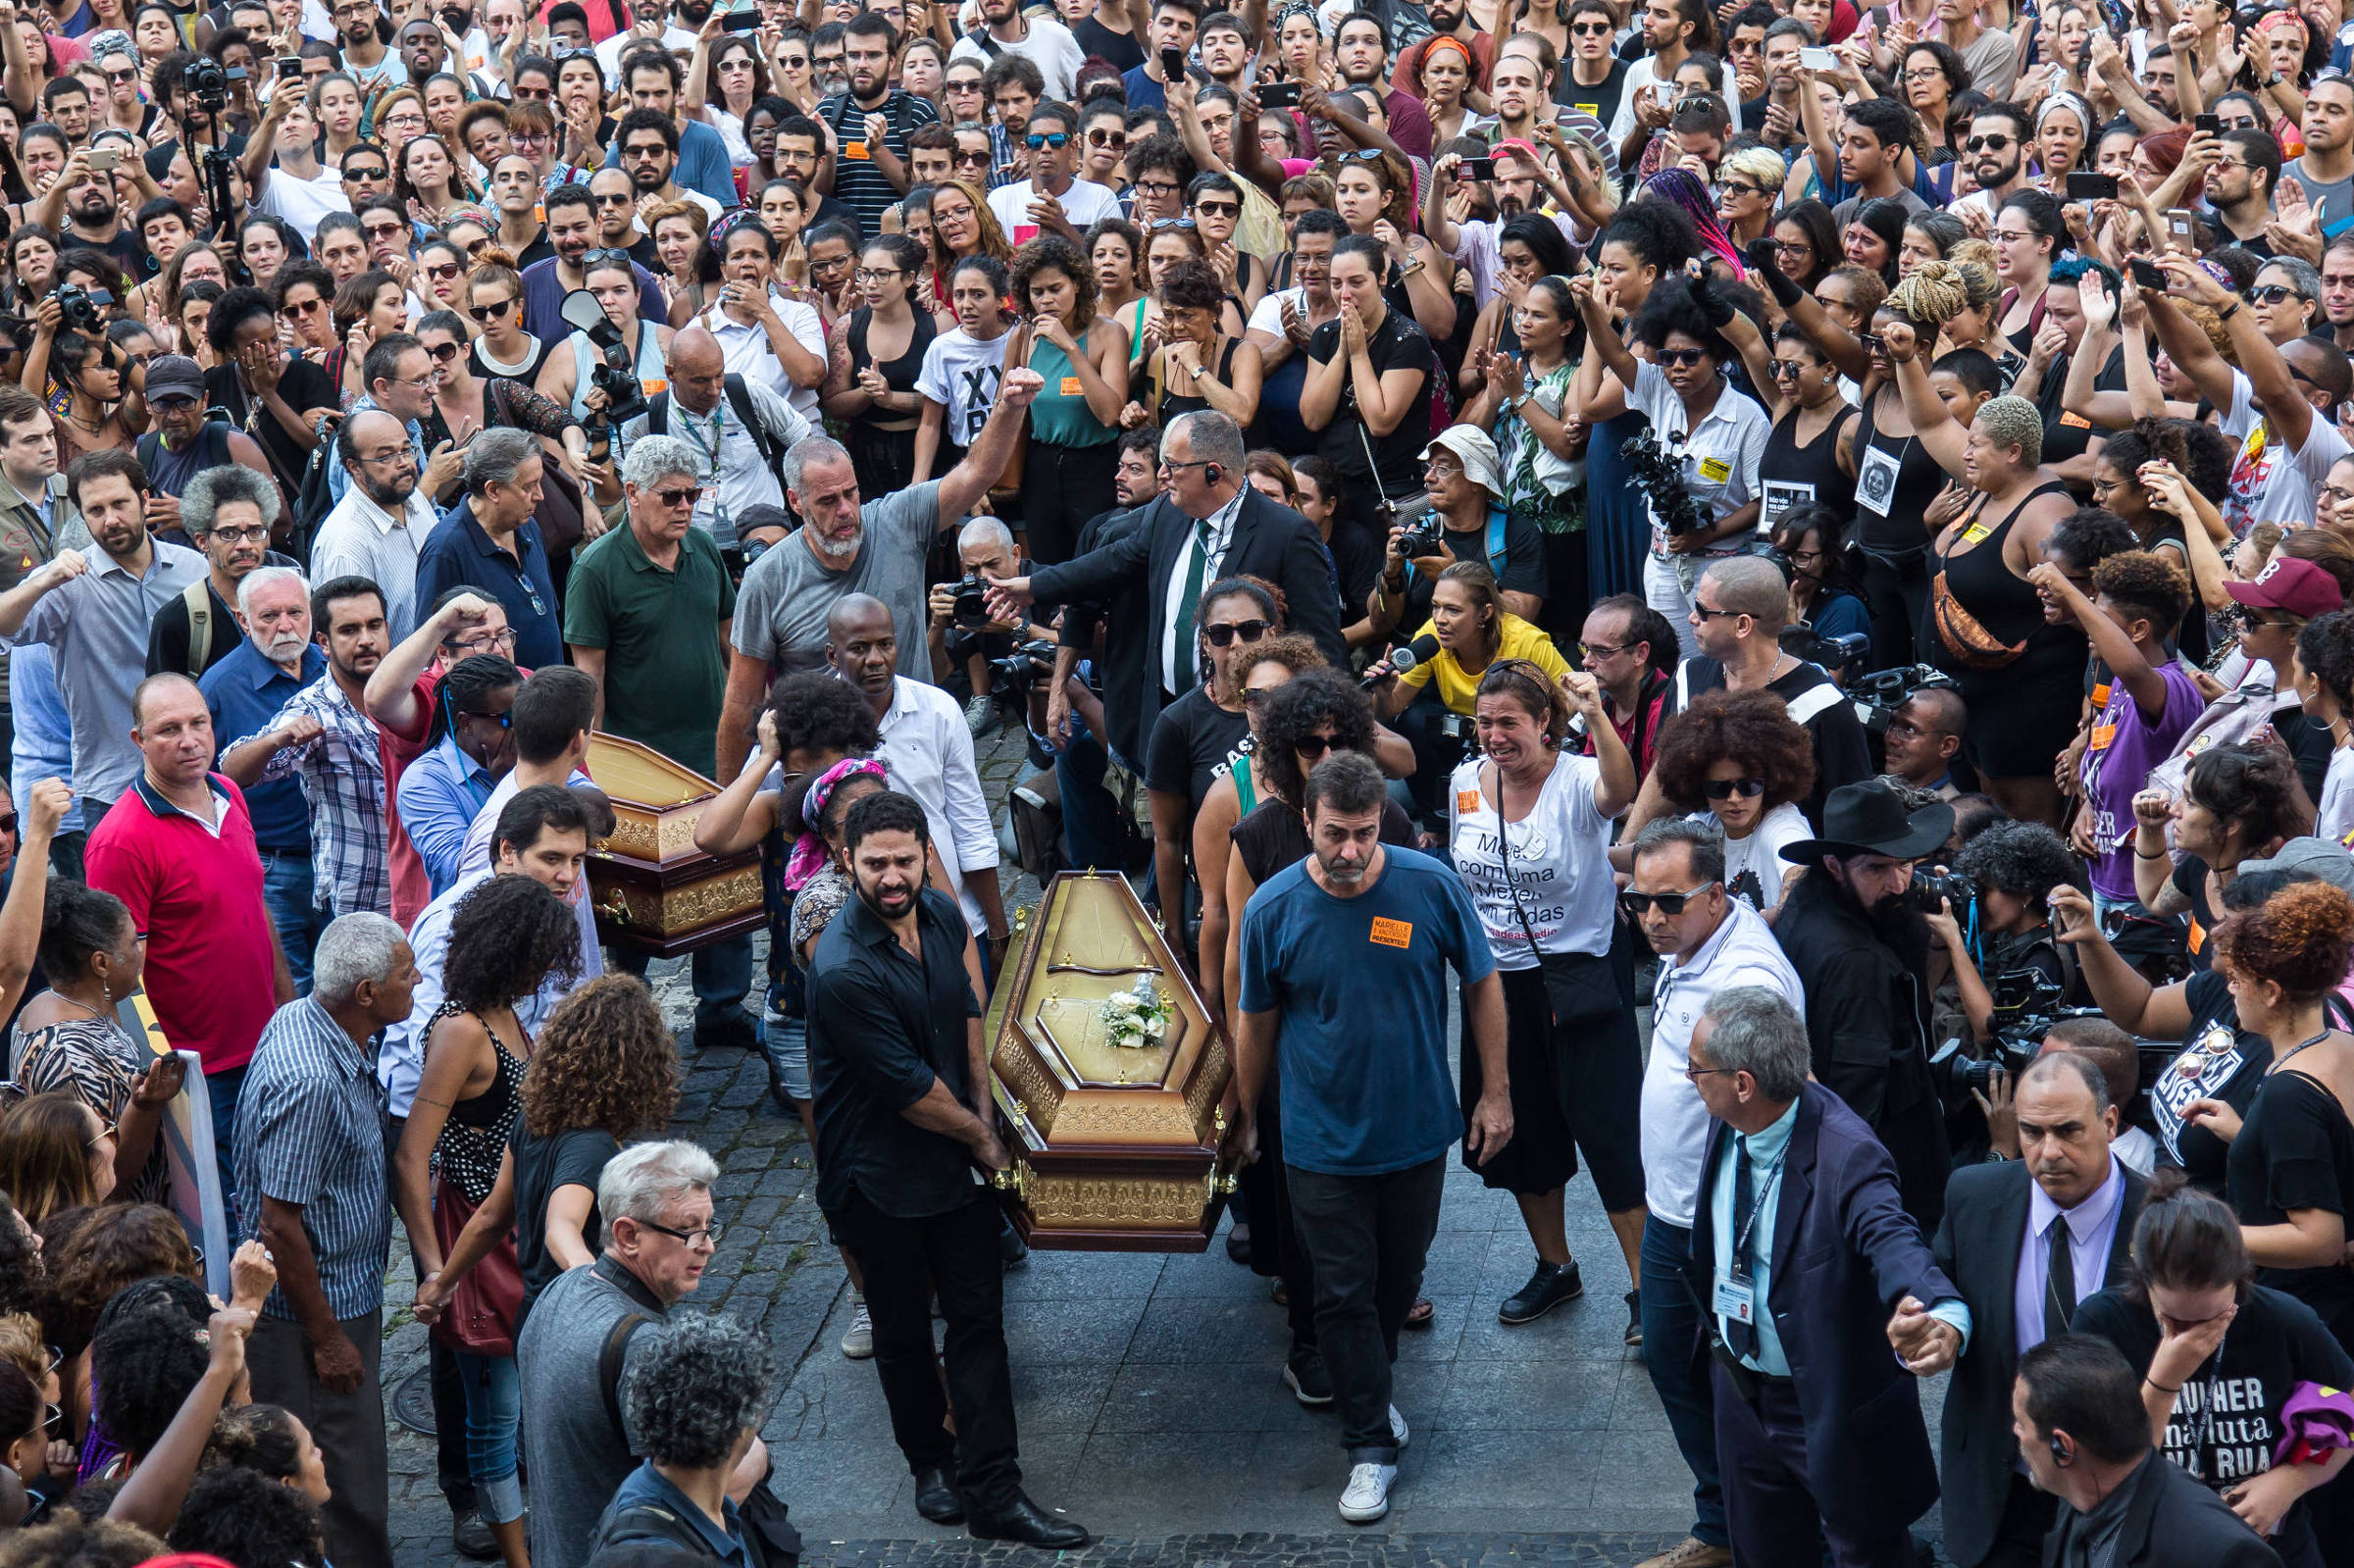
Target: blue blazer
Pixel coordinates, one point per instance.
(1845, 1252)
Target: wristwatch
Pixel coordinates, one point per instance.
(1515, 404)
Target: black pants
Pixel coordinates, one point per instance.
(1761, 1463)
(1063, 486)
(1366, 1237)
(905, 1262)
(1896, 594)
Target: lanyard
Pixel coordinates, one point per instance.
(1756, 1207)
(719, 504)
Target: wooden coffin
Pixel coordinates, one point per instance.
(1115, 1148)
(650, 884)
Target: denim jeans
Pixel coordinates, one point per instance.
(1091, 816)
(721, 974)
(286, 893)
(1671, 1355)
(222, 1088)
(493, 1414)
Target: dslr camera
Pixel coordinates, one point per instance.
(207, 84)
(1660, 474)
(1846, 652)
(1879, 695)
(77, 308)
(1934, 884)
(1029, 663)
(614, 373)
(971, 611)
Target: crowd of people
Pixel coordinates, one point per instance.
(1752, 600)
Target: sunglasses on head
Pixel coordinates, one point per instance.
(1726, 788)
(606, 255)
(1224, 636)
(1159, 224)
(1669, 905)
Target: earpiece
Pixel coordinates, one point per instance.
(2063, 1453)
(1210, 474)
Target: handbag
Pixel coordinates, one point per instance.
(1964, 636)
(479, 1316)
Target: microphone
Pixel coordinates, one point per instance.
(1421, 650)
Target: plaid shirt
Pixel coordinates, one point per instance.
(342, 771)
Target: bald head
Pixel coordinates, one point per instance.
(863, 646)
(853, 613)
(698, 370)
(165, 689)
(1940, 708)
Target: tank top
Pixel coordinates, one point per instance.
(1172, 404)
(1790, 475)
(489, 370)
(1059, 415)
(2005, 604)
(1246, 798)
(900, 373)
(1896, 478)
(1136, 327)
(475, 1137)
(651, 374)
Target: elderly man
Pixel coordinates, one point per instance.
(2026, 1239)
(244, 692)
(325, 737)
(655, 1202)
(228, 512)
(1707, 941)
(1208, 525)
(740, 429)
(876, 548)
(491, 544)
(647, 615)
(1797, 1228)
(984, 545)
(311, 1187)
(378, 529)
(1924, 735)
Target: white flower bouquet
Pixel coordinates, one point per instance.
(1136, 1019)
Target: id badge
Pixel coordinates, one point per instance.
(1736, 1298)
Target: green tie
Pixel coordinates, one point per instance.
(1186, 661)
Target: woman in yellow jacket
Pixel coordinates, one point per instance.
(1472, 629)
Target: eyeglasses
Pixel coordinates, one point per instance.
(1255, 695)
(877, 275)
(505, 721)
(487, 313)
(484, 641)
(1056, 139)
(1682, 358)
(1224, 636)
(1697, 1073)
(259, 533)
(1670, 904)
(1601, 650)
(708, 1234)
(1726, 788)
(2334, 494)
(1158, 187)
(393, 454)
(686, 496)
(2272, 294)
(442, 353)
(2013, 237)
(1989, 143)
(1792, 247)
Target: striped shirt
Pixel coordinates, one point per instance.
(342, 771)
(859, 181)
(311, 1134)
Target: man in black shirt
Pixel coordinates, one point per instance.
(227, 511)
(899, 1076)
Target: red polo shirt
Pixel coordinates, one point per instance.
(195, 893)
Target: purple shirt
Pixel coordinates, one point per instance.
(2124, 748)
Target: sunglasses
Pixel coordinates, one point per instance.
(1224, 636)
(1682, 358)
(2272, 294)
(382, 230)
(1159, 224)
(371, 172)
(304, 307)
(685, 495)
(487, 313)
(8, 822)
(442, 272)
(442, 353)
(1220, 209)
(1056, 139)
(969, 160)
(606, 255)
(1601, 650)
(1726, 788)
(1107, 138)
(1315, 746)
(1989, 143)
(1596, 30)
(1669, 905)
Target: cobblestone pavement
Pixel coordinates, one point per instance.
(1148, 1386)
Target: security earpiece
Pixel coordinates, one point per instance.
(2063, 1453)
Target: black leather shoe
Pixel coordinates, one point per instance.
(1024, 1521)
(471, 1537)
(736, 1028)
(1548, 1288)
(934, 1499)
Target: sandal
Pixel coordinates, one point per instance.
(1421, 1315)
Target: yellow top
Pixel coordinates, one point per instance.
(1457, 689)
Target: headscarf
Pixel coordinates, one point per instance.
(809, 850)
(1681, 187)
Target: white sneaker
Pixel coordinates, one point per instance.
(980, 716)
(1367, 1494)
(1397, 1429)
(858, 1343)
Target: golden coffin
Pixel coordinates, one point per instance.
(652, 885)
(1114, 1130)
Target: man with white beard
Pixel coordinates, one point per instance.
(244, 692)
(875, 548)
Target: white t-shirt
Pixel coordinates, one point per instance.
(1559, 881)
(2334, 819)
(1083, 204)
(1753, 866)
(961, 375)
(301, 203)
(1640, 75)
(2269, 483)
(609, 53)
(1050, 46)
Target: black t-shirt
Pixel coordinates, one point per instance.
(574, 1157)
(170, 635)
(1519, 568)
(539, 250)
(2309, 742)
(2219, 1061)
(2295, 1150)
(127, 250)
(645, 255)
(2191, 880)
(2066, 434)
(1600, 100)
(1398, 344)
(1101, 43)
(1193, 745)
(2226, 1420)
(1842, 754)
(1356, 564)
(304, 386)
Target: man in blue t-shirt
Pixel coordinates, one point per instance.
(1343, 978)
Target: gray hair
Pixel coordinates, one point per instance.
(1700, 835)
(645, 1178)
(1212, 436)
(354, 947)
(266, 577)
(1751, 585)
(206, 493)
(495, 455)
(657, 457)
(2303, 276)
(984, 530)
(1759, 1033)
(700, 1384)
(807, 450)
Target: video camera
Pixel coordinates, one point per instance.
(1844, 652)
(1879, 695)
(1661, 474)
(614, 373)
(2027, 1008)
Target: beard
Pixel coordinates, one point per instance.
(838, 549)
(1896, 921)
(284, 650)
(694, 12)
(895, 908)
(390, 494)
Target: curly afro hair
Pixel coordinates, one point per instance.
(1754, 729)
(1310, 701)
(246, 1518)
(1053, 251)
(142, 1366)
(93, 1253)
(2024, 859)
(1657, 234)
(605, 1060)
(703, 1381)
(508, 936)
(2147, 584)
(73, 1540)
(2088, 537)
(817, 714)
(2302, 940)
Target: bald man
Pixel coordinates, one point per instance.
(929, 753)
(738, 430)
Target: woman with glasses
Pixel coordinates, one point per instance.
(398, 118)
(1806, 243)
(1199, 365)
(1932, 77)
(1747, 191)
(1807, 461)
(464, 401)
(725, 80)
(439, 280)
(507, 940)
(1824, 594)
(502, 350)
(963, 226)
(532, 132)
(1739, 757)
(877, 360)
(2029, 234)
(789, 51)
(68, 1040)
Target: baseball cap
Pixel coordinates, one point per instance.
(174, 375)
(2300, 588)
(2322, 859)
(1477, 449)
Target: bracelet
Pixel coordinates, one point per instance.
(2139, 856)
(2227, 312)
(2160, 1386)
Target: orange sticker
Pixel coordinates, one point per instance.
(2103, 737)
(853, 149)
(1467, 802)
(2075, 422)
(1072, 389)
(1393, 932)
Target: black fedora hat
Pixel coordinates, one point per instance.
(1868, 818)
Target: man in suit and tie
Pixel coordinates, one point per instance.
(2078, 1419)
(2026, 1239)
(1209, 524)
(1798, 1248)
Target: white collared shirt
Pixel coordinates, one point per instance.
(747, 352)
(1721, 455)
(928, 751)
(1177, 675)
(360, 539)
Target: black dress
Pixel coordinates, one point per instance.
(2022, 714)
(1896, 480)
(885, 460)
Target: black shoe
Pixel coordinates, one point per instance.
(1012, 1250)
(1547, 1288)
(934, 1499)
(1024, 1521)
(1308, 1378)
(736, 1028)
(471, 1537)
(1634, 1318)
(1238, 1244)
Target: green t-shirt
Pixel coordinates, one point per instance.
(665, 663)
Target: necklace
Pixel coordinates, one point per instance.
(94, 1012)
(2301, 1045)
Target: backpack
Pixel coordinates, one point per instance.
(894, 107)
(740, 398)
(199, 597)
(313, 500)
